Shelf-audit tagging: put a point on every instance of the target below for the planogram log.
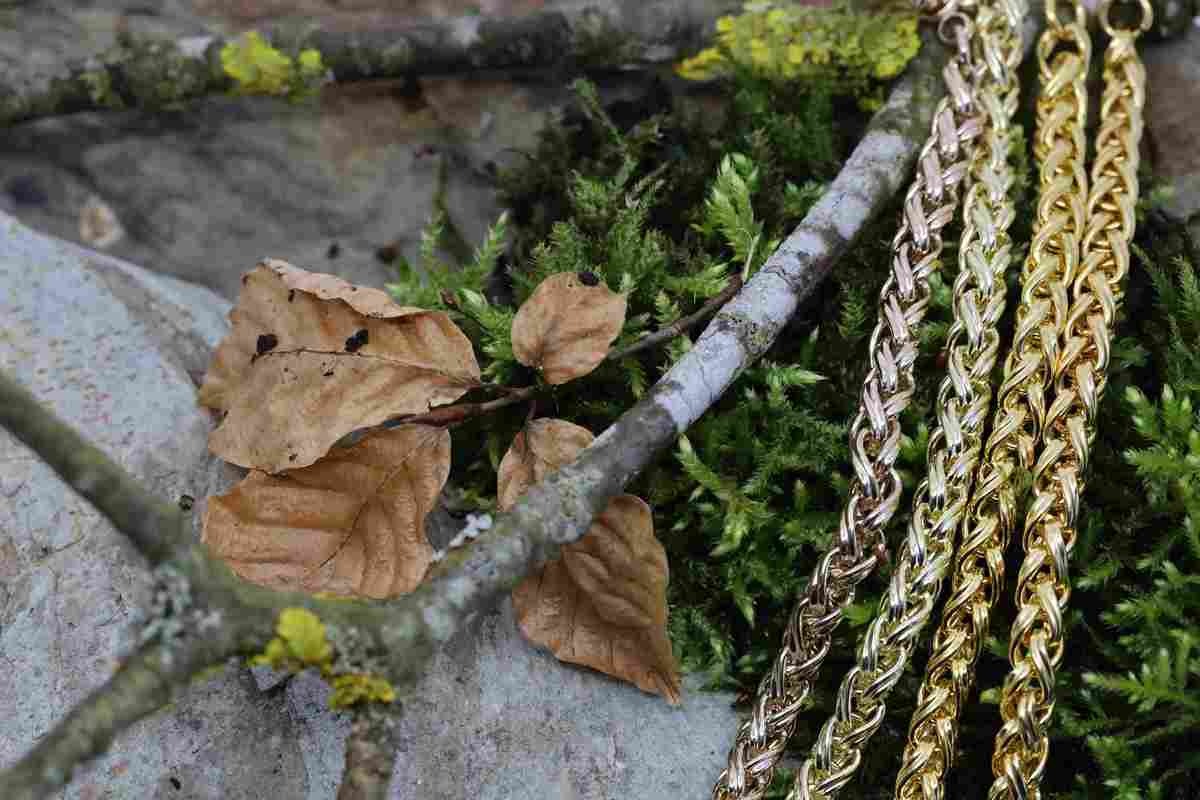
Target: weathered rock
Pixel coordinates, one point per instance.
(113, 348)
(116, 349)
(1173, 77)
(497, 718)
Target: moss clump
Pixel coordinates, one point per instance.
(258, 68)
(301, 643)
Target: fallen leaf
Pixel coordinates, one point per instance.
(540, 448)
(603, 602)
(351, 524)
(312, 358)
(567, 324)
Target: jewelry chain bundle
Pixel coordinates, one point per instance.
(1053, 378)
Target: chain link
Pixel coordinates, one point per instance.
(964, 398)
(1063, 52)
(929, 205)
(1080, 374)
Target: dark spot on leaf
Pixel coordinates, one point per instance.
(266, 343)
(175, 783)
(186, 501)
(356, 341)
(334, 250)
(291, 295)
(589, 278)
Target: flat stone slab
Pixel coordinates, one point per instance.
(117, 350)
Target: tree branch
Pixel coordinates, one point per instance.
(681, 325)
(150, 74)
(370, 754)
(142, 685)
(561, 508)
(156, 528)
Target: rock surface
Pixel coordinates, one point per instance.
(116, 349)
(1173, 89)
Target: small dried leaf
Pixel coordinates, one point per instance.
(566, 326)
(312, 358)
(351, 524)
(603, 602)
(540, 448)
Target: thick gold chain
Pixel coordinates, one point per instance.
(1063, 54)
(929, 205)
(1080, 374)
(964, 399)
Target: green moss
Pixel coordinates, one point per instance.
(258, 68)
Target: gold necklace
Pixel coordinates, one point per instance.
(1037, 640)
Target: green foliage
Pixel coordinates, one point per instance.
(258, 68)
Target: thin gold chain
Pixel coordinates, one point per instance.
(1063, 52)
(929, 205)
(964, 399)
(1037, 640)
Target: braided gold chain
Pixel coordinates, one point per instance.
(1063, 52)
(964, 399)
(929, 205)
(1080, 374)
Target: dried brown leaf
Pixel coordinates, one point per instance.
(566, 326)
(540, 448)
(312, 358)
(603, 602)
(351, 524)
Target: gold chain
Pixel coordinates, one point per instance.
(930, 204)
(1080, 374)
(1063, 54)
(964, 399)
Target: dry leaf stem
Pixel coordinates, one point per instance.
(681, 325)
(556, 512)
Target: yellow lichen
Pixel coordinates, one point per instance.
(301, 643)
(352, 689)
(782, 41)
(258, 68)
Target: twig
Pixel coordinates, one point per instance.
(681, 325)
(146, 73)
(460, 412)
(156, 528)
(370, 755)
(142, 685)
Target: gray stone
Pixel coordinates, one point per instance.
(113, 348)
(117, 350)
(1173, 95)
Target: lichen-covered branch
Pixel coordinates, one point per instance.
(150, 74)
(143, 684)
(370, 754)
(560, 509)
(156, 528)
